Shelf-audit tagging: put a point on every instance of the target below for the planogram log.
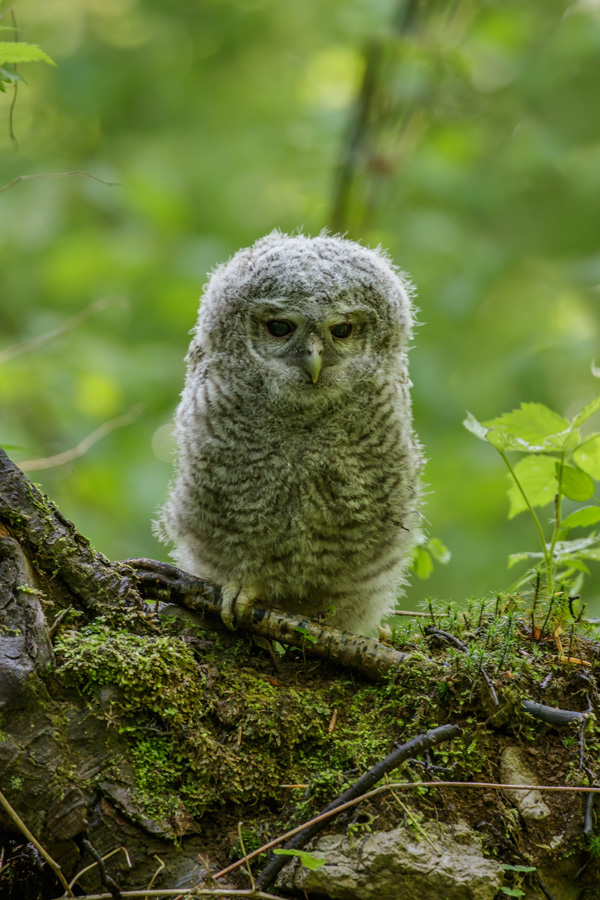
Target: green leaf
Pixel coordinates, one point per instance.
(475, 427)
(533, 427)
(581, 518)
(5, 75)
(309, 638)
(574, 563)
(587, 455)
(20, 52)
(537, 477)
(307, 860)
(422, 564)
(515, 558)
(439, 550)
(575, 483)
(512, 892)
(586, 413)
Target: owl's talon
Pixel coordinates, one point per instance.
(234, 606)
(228, 608)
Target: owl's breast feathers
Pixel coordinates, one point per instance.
(308, 496)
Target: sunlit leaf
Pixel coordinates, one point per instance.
(21, 52)
(575, 483)
(532, 427)
(537, 476)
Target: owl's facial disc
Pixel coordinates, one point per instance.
(321, 343)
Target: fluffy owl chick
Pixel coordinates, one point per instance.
(297, 482)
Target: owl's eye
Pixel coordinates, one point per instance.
(342, 331)
(279, 327)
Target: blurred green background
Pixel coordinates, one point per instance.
(473, 155)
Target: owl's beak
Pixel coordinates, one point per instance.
(313, 361)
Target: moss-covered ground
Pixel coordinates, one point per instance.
(219, 730)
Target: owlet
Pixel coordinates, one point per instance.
(298, 472)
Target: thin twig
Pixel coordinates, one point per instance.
(161, 866)
(25, 830)
(57, 175)
(417, 615)
(182, 892)
(11, 112)
(413, 819)
(93, 865)
(242, 845)
(35, 343)
(105, 878)
(50, 462)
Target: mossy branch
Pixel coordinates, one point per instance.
(56, 549)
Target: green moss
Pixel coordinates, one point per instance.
(212, 731)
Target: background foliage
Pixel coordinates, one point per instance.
(475, 158)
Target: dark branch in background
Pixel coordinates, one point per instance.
(35, 343)
(11, 112)
(56, 175)
(363, 156)
(355, 140)
(50, 462)
(417, 745)
(365, 121)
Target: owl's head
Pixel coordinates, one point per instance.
(306, 313)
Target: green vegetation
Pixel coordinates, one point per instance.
(206, 729)
(560, 464)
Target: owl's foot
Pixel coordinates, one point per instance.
(235, 604)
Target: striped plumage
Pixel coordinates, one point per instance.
(298, 471)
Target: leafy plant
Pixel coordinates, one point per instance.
(519, 873)
(426, 551)
(14, 53)
(559, 463)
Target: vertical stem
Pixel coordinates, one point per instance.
(558, 506)
(548, 559)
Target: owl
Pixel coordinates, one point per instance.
(297, 479)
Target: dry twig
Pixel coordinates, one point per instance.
(25, 830)
(35, 343)
(60, 459)
(56, 175)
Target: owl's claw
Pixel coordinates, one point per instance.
(234, 606)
